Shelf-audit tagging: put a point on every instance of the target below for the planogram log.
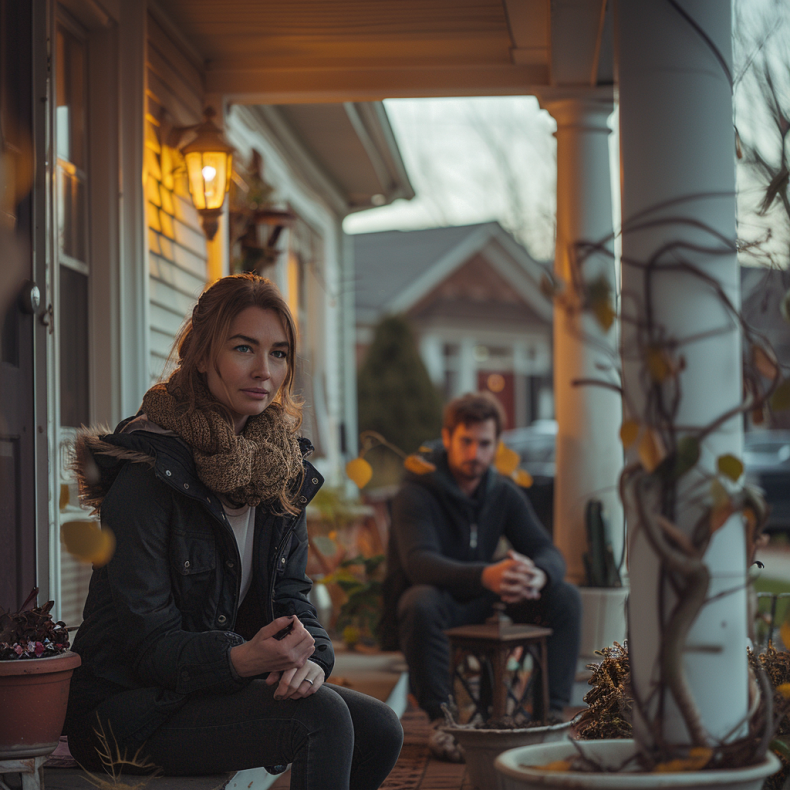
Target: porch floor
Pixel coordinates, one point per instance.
(415, 770)
(377, 675)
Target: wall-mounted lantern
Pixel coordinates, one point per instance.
(209, 158)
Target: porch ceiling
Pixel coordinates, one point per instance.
(361, 50)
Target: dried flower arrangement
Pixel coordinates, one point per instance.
(776, 665)
(31, 633)
(610, 700)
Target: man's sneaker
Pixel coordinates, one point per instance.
(443, 746)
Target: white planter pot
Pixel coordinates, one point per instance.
(514, 776)
(482, 747)
(603, 618)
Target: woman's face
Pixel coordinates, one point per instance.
(251, 365)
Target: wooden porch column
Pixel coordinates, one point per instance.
(589, 453)
(678, 176)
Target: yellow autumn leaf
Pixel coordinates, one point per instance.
(359, 471)
(599, 298)
(523, 478)
(555, 765)
(604, 313)
(86, 541)
(730, 466)
(764, 360)
(418, 465)
(697, 759)
(65, 496)
(784, 633)
(780, 400)
(507, 460)
(784, 690)
(719, 493)
(651, 449)
(722, 506)
(659, 364)
(629, 433)
(719, 516)
(351, 635)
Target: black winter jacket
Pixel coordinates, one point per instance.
(442, 537)
(160, 616)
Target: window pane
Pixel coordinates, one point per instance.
(73, 328)
(72, 223)
(71, 99)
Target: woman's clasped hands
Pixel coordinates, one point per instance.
(284, 656)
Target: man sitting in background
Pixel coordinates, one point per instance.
(446, 526)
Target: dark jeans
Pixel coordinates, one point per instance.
(425, 612)
(335, 738)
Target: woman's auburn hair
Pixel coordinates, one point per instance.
(206, 330)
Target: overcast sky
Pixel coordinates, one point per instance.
(473, 160)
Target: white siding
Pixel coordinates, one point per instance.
(177, 246)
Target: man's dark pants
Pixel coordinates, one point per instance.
(425, 612)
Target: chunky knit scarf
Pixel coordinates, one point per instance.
(261, 464)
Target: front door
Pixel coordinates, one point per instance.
(18, 307)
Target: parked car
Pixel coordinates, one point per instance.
(766, 459)
(535, 444)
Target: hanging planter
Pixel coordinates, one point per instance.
(530, 768)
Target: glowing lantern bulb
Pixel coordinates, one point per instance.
(209, 173)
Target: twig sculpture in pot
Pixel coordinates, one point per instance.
(698, 714)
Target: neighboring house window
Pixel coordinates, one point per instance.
(451, 354)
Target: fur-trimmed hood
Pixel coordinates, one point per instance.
(97, 457)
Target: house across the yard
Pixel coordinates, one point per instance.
(472, 294)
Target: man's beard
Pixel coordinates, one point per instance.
(471, 470)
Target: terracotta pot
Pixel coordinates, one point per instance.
(515, 772)
(34, 693)
(482, 746)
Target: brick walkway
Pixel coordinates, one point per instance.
(415, 770)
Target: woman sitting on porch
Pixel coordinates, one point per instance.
(199, 645)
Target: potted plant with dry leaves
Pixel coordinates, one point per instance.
(35, 673)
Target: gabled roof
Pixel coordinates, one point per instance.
(395, 269)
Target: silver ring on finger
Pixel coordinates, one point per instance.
(307, 680)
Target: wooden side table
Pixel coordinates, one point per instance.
(492, 644)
